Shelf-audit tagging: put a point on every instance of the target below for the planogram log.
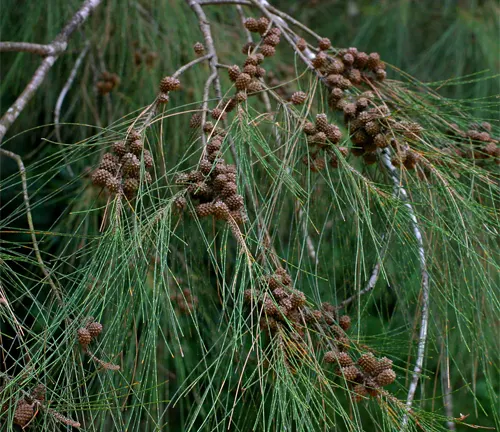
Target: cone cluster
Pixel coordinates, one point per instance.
(167, 84)
(107, 82)
(89, 333)
(321, 135)
(185, 302)
(474, 143)
(213, 184)
(120, 171)
(366, 376)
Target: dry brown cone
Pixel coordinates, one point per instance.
(368, 363)
(267, 50)
(84, 337)
(263, 23)
(324, 44)
(203, 210)
(169, 83)
(95, 329)
(298, 98)
(301, 44)
(119, 148)
(385, 377)
(322, 123)
(24, 413)
(195, 121)
(251, 24)
(350, 373)
(163, 98)
(345, 322)
(233, 72)
(100, 177)
(272, 40)
(243, 81)
(198, 48)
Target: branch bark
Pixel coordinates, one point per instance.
(400, 192)
(60, 41)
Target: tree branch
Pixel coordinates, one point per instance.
(61, 40)
(400, 192)
(43, 50)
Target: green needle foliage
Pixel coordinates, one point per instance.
(252, 315)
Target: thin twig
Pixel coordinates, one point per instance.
(222, 2)
(400, 192)
(209, 42)
(43, 50)
(39, 76)
(22, 171)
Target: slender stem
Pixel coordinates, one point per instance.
(43, 50)
(39, 76)
(209, 42)
(22, 171)
(62, 96)
(189, 65)
(400, 191)
(221, 2)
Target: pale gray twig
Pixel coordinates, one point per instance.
(400, 192)
(39, 76)
(43, 50)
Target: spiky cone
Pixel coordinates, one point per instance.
(163, 98)
(242, 81)
(252, 25)
(275, 282)
(309, 128)
(320, 60)
(228, 190)
(100, 177)
(318, 139)
(205, 166)
(386, 377)
(84, 337)
(198, 48)
(195, 121)
(298, 98)
(381, 141)
(214, 146)
(355, 76)
(95, 329)
(350, 373)
(119, 148)
(301, 44)
(263, 24)
(298, 299)
(220, 210)
(24, 413)
(324, 44)
(333, 133)
(359, 392)
(254, 86)
(321, 122)
(373, 61)
(344, 359)
(218, 114)
(267, 50)
(368, 363)
(330, 357)
(383, 364)
(270, 307)
(260, 72)
(279, 293)
(113, 184)
(272, 40)
(285, 277)
(234, 202)
(204, 210)
(219, 182)
(411, 160)
(180, 203)
(169, 84)
(345, 322)
(136, 147)
(380, 74)
(349, 110)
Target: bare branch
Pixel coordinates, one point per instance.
(43, 50)
(65, 89)
(400, 192)
(39, 76)
(209, 43)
